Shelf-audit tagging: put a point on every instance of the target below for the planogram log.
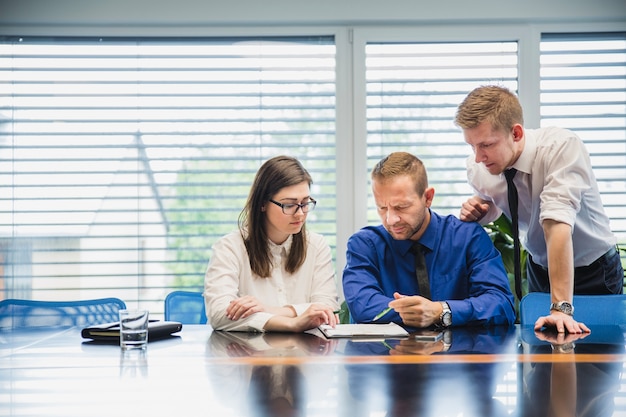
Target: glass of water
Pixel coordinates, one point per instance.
(133, 329)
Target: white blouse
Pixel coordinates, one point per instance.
(229, 277)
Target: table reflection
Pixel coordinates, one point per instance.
(432, 389)
(266, 390)
(568, 388)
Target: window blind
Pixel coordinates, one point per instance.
(413, 90)
(125, 159)
(583, 88)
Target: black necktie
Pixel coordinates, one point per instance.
(420, 270)
(509, 174)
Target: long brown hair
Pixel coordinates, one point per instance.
(274, 175)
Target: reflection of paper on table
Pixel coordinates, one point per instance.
(364, 330)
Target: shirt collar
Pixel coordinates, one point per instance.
(525, 161)
(283, 248)
(429, 238)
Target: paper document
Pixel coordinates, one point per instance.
(364, 330)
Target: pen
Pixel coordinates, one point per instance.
(382, 313)
(387, 345)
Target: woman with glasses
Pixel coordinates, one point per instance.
(272, 274)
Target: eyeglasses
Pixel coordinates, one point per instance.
(292, 208)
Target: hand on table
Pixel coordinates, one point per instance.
(314, 316)
(561, 322)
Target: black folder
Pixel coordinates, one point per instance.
(111, 331)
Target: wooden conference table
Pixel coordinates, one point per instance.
(485, 372)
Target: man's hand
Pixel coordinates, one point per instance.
(474, 209)
(562, 323)
(415, 310)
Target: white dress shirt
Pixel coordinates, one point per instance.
(554, 181)
(229, 277)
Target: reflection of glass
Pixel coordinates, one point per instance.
(568, 387)
(133, 363)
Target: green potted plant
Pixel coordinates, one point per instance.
(501, 234)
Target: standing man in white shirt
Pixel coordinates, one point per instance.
(562, 223)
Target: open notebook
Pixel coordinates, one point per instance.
(364, 330)
(111, 331)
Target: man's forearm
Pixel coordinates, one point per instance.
(560, 260)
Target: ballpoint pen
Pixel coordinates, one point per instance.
(382, 313)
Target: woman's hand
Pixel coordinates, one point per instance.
(243, 307)
(314, 316)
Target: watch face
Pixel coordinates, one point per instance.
(563, 307)
(446, 319)
(566, 308)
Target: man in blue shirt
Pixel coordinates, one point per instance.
(468, 282)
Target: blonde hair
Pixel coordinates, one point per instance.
(494, 104)
(402, 163)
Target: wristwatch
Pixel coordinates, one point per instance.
(564, 348)
(447, 340)
(563, 307)
(445, 319)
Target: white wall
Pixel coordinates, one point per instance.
(150, 17)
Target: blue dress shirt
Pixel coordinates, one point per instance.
(464, 269)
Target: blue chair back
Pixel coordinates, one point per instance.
(589, 309)
(186, 307)
(18, 313)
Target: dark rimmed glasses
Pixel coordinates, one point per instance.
(292, 208)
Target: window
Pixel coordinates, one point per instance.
(583, 88)
(128, 158)
(413, 90)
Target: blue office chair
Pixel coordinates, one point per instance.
(186, 307)
(18, 313)
(589, 309)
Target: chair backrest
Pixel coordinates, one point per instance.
(18, 313)
(186, 307)
(589, 309)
